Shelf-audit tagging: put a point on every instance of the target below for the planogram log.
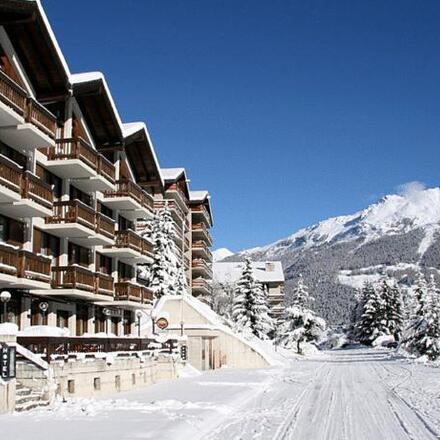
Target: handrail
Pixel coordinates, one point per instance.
(11, 94)
(41, 117)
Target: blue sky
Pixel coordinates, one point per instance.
(289, 112)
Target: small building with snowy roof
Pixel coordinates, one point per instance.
(269, 273)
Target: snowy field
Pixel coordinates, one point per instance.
(344, 394)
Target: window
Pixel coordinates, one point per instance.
(14, 155)
(124, 224)
(105, 210)
(104, 264)
(11, 231)
(79, 255)
(46, 244)
(125, 272)
(50, 178)
(77, 194)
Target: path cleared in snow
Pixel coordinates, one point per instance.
(344, 394)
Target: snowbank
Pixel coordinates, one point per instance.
(44, 330)
(383, 341)
(8, 329)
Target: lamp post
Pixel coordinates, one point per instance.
(106, 313)
(5, 296)
(139, 316)
(43, 306)
(153, 321)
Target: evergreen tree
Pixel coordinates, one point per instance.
(250, 311)
(392, 308)
(301, 324)
(164, 275)
(371, 323)
(423, 334)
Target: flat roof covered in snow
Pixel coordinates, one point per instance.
(264, 271)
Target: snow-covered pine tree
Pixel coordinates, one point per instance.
(162, 275)
(392, 308)
(262, 322)
(372, 320)
(300, 324)
(423, 334)
(243, 298)
(250, 311)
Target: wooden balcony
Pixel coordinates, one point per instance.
(26, 266)
(200, 266)
(201, 250)
(12, 96)
(42, 118)
(23, 194)
(81, 223)
(26, 123)
(201, 286)
(201, 232)
(130, 248)
(104, 284)
(73, 277)
(129, 198)
(200, 213)
(76, 159)
(175, 193)
(127, 291)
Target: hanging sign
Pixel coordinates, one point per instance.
(162, 323)
(7, 361)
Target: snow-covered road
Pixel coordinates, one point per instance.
(345, 394)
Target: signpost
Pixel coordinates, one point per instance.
(7, 361)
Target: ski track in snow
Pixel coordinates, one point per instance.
(356, 394)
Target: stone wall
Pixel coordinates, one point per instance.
(96, 377)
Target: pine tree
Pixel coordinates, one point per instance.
(300, 324)
(423, 334)
(163, 275)
(241, 306)
(250, 311)
(372, 320)
(263, 324)
(392, 308)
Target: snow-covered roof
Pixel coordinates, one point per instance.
(52, 37)
(264, 271)
(131, 128)
(172, 174)
(89, 77)
(198, 196)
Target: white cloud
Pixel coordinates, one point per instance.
(411, 189)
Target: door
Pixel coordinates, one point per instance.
(82, 315)
(62, 319)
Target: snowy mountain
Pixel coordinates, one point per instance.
(396, 235)
(220, 254)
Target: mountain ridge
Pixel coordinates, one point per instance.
(397, 235)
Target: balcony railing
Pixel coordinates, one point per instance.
(24, 264)
(129, 239)
(201, 210)
(35, 189)
(74, 211)
(73, 277)
(127, 188)
(53, 347)
(175, 210)
(10, 174)
(34, 267)
(104, 284)
(15, 97)
(200, 263)
(12, 95)
(41, 118)
(105, 225)
(79, 149)
(202, 229)
(202, 284)
(127, 291)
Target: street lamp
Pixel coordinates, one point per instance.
(43, 306)
(153, 321)
(139, 316)
(5, 296)
(107, 313)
